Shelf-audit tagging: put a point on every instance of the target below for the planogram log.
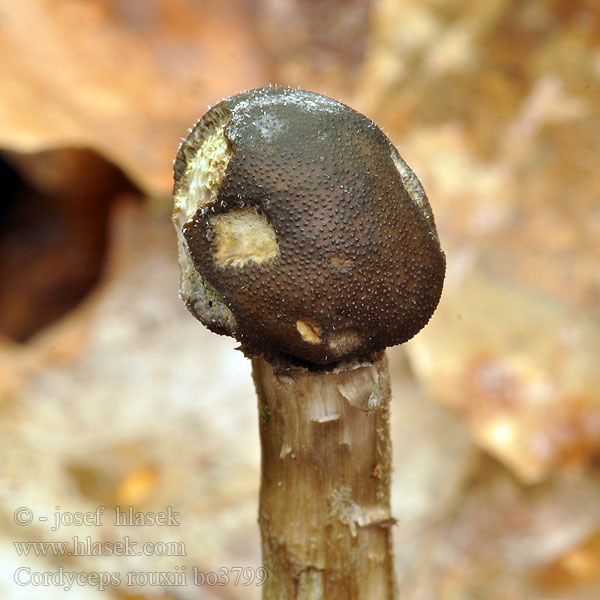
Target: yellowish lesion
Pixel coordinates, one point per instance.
(309, 330)
(243, 236)
(343, 341)
(207, 152)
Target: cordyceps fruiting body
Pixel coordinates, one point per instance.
(303, 234)
(301, 229)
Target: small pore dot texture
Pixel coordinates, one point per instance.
(358, 258)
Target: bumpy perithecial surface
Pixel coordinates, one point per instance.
(301, 229)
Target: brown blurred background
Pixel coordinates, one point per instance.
(110, 393)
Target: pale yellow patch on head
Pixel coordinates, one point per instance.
(205, 155)
(309, 330)
(342, 342)
(243, 236)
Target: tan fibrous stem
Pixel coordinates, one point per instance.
(325, 490)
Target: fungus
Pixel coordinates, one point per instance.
(302, 217)
(305, 236)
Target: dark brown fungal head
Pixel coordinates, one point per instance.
(301, 229)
